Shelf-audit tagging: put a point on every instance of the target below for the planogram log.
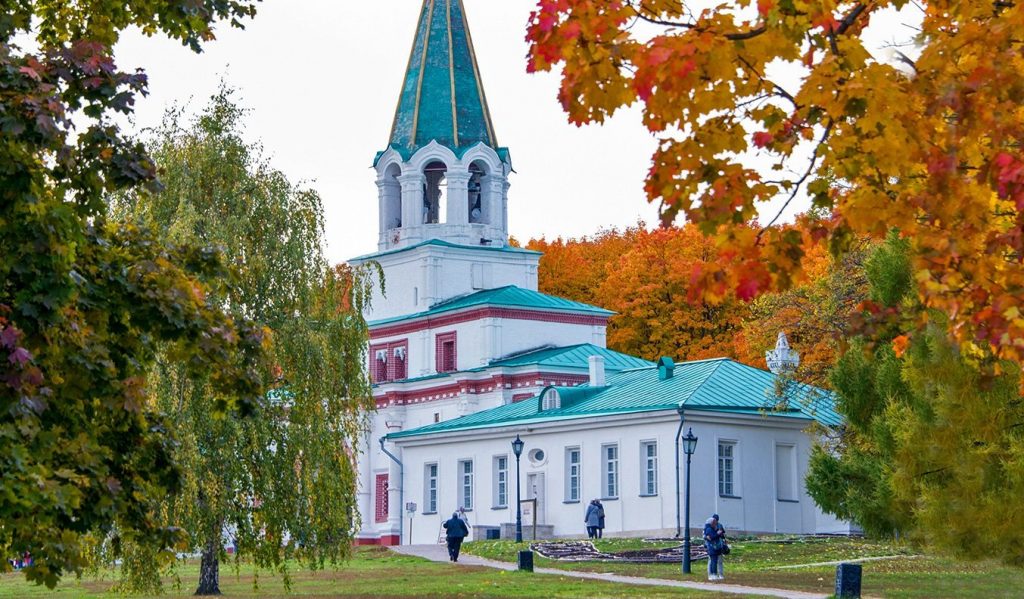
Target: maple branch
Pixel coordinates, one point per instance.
(799, 183)
(735, 36)
(776, 87)
(844, 25)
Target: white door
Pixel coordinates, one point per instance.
(535, 490)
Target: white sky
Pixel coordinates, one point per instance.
(322, 79)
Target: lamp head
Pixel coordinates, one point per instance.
(689, 442)
(517, 446)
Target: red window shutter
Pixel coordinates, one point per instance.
(381, 507)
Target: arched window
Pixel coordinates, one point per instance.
(477, 205)
(392, 194)
(434, 193)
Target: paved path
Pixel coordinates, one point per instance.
(439, 553)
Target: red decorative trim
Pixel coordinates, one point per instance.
(381, 503)
(527, 385)
(518, 397)
(446, 354)
(385, 541)
(394, 366)
(424, 324)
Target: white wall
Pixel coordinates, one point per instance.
(416, 279)
(757, 509)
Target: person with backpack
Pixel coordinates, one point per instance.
(456, 532)
(714, 542)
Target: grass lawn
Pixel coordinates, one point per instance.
(373, 572)
(758, 564)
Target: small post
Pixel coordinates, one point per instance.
(526, 560)
(848, 577)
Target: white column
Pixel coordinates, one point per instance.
(412, 199)
(458, 197)
(365, 487)
(493, 188)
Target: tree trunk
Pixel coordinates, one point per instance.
(209, 571)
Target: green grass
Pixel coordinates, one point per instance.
(758, 564)
(371, 573)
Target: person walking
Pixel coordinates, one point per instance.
(592, 518)
(600, 519)
(714, 542)
(457, 531)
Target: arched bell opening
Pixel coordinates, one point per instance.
(478, 210)
(392, 198)
(435, 188)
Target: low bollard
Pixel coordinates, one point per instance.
(848, 581)
(526, 560)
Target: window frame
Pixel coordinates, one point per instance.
(442, 363)
(649, 479)
(499, 482)
(794, 473)
(430, 487)
(570, 476)
(727, 488)
(466, 486)
(610, 472)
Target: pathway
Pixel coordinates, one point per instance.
(439, 553)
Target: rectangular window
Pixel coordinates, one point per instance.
(649, 468)
(399, 357)
(447, 359)
(572, 474)
(611, 471)
(379, 363)
(466, 484)
(430, 489)
(785, 472)
(726, 457)
(381, 504)
(501, 481)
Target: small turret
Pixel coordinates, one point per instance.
(782, 359)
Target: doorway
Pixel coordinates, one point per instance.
(535, 490)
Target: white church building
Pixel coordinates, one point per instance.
(466, 354)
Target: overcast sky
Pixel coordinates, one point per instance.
(322, 79)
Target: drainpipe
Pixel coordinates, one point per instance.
(401, 482)
(679, 432)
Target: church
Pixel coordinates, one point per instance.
(466, 355)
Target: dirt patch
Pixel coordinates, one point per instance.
(584, 551)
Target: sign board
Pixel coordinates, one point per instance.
(410, 507)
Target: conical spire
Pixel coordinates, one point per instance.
(442, 97)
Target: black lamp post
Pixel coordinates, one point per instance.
(689, 446)
(517, 448)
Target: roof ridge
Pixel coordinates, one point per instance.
(706, 377)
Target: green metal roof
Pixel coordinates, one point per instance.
(509, 296)
(720, 385)
(447, 244)
(442, 97)
(574, 356)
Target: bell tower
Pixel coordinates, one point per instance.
(443, 175)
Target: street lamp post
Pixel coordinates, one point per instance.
(689, 446)
(517, 448)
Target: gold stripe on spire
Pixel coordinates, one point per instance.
(419, 82)
(408, 67)
(479, 80)
(451, 74)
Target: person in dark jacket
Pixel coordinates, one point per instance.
(456, 532)
(592, 518)
(714, 542)
(600, 519)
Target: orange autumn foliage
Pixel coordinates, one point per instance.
(929, 145)
(647, 278)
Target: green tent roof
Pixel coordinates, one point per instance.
(447, 244)
(442, 96)
(509, 296)
(720, 385)
(573, 356)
